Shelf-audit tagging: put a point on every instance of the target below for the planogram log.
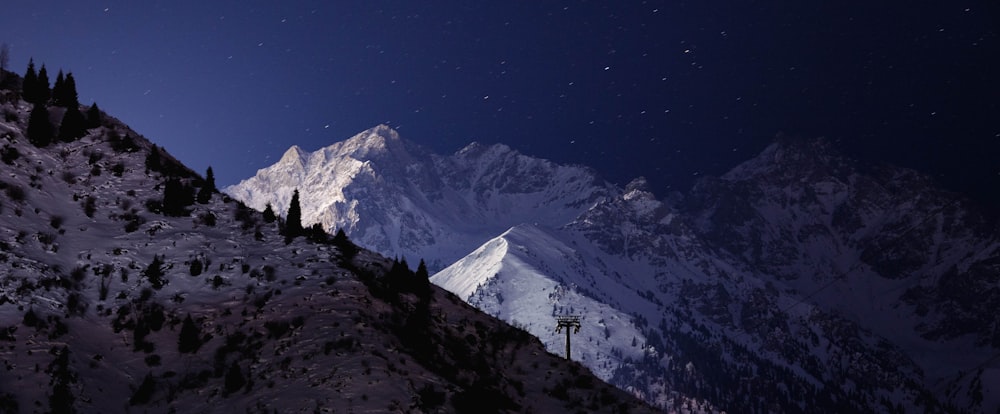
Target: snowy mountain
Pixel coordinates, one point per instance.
(121, 291)
(664, 317)
(799, 280)
(393, 196)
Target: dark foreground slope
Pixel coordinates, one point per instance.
(119, 292)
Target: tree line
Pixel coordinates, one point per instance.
(35, 89)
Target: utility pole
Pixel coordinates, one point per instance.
(568, 321)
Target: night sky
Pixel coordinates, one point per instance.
(670, 90)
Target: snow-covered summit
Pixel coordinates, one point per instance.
(394, 196)
(294, 157)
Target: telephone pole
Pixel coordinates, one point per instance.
(568, 321)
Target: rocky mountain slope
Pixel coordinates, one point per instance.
(797, 281)
(120, 293)
(879, 245)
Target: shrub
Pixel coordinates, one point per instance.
(196, 267)
(94, 157)
(144, 393)
(276, 329)
(14, 192)
(207, 218)
(152, 360)
(30, 319)
(89, 206)
(9, 154)
(234, 379)
(119, 144)
(9, 115)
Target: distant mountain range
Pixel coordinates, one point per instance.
(799, 280)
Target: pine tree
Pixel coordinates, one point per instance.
(400, 270)
(69, 95)
(39, 127)
(293, 219)
(317, 234)
(153, 159)
(189, 340)
(176, 198)
(73, 125)
(422, 274)
(269, 216)
(207, 188)
(57, 89)
(29, 86)
(62, 398)
(422, 284)
(154, 273)
(94, 118)
(44, 93)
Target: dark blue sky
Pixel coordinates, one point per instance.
(666, 89)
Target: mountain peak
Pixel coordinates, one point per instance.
(639, 184)
(295, 155)
(793, 158)
(373, 141)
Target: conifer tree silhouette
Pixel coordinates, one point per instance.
(293, 219)
(29, 86)
(39, 127)
(94, 118)
(177, 196)
(43, 91)
(207, 188)
(269, 216)
(57, 89)
(189, 340)
(73, 125)
(64, 91)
